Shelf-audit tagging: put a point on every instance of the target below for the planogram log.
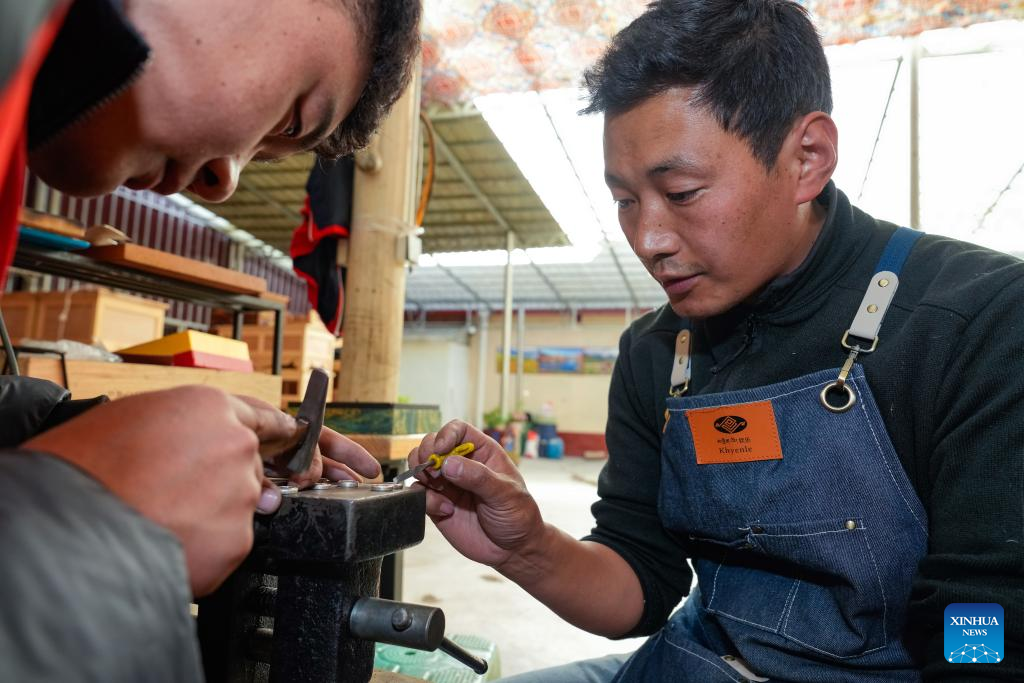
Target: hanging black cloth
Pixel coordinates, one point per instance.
(326, 217)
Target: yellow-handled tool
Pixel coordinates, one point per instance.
(435, 461)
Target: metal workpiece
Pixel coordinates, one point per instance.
(368, 619)
(312, 638)
(342, 525)
(348, 484)
(396, 623)
(261, 600)
(285, 614)
(227, 620)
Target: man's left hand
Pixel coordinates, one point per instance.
(336, 457)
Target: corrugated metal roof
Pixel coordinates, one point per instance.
(478, 194)
(474, 179)
(597, 284)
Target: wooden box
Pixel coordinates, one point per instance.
(92, 316)
(19, 311)
(88, 378)
(305, 344)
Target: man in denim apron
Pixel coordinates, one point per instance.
(824, 420)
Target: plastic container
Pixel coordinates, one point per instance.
(545, 431)
(531, 448)
(437, 666)
(555, 449)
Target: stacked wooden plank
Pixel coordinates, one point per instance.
(86, 378)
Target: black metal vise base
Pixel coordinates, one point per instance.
(283, 615)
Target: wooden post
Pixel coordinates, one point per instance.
(383, 207)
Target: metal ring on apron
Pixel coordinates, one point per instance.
(851, 397)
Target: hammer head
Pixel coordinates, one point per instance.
(311, 420)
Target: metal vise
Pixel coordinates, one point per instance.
(300, 608)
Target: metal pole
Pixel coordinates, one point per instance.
(520, 357)
(915, 170)
(881, 126)
(278, 340)
(237, 323)
(506, 357)
(12, 358)
(482, 352)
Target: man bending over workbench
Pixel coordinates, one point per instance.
(115, 516)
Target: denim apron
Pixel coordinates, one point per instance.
(804, 536)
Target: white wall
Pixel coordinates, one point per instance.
(436, 371)
(440, 367)
(580, 401)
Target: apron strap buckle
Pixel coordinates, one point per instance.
(840, 384)
(850, 347)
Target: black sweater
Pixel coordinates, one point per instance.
(948, 380)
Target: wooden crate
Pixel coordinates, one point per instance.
(225, 317)
(19, 311)
(305, 344)
(88, 378)
(92, 316)
(294, 382)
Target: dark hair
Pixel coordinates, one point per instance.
(390, 31)
(755, 65)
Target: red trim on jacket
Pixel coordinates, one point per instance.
(14, 99)
(308, 235)
(304, 240)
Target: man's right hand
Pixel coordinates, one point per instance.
(481, 505)
(479, 502)
(187, 459)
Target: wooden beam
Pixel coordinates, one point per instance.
(383, 207)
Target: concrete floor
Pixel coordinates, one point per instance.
(479, 601)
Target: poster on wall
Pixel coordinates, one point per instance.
(599, 361)
(561, 359)
(573, 360)
(530, 357)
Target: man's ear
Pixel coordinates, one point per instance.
(814, 144)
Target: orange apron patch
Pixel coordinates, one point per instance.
(738, 433)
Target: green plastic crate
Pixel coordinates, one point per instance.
(437, 667)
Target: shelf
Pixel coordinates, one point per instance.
(86, 269)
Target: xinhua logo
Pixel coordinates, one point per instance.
(974, 633)
(730, 424)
